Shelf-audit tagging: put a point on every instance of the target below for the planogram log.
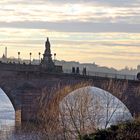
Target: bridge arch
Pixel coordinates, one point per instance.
(11, 99)
(95, 100)
(119, 90)
(10, 93)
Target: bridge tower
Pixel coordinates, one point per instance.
(47, 62)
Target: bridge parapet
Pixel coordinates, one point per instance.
(26, 67)
(106, 75)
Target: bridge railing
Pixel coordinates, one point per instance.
(29, 67)
(18, 67)
(107, 75)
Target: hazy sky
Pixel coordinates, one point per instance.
(103, 31)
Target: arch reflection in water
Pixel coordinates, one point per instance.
(7, 112)
(91, 108)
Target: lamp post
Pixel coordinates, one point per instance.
(18, 57)
(54, 57)
(30, 57)
(39, 56)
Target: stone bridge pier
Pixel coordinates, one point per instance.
(24, 99)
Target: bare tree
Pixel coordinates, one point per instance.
(84, 112)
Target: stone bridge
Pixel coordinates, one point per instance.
(23, 87)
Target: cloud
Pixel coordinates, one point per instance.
(74, 26)
(48, 12)
(71, 16)
(118, 3)
(61, 11)
(44, 1)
